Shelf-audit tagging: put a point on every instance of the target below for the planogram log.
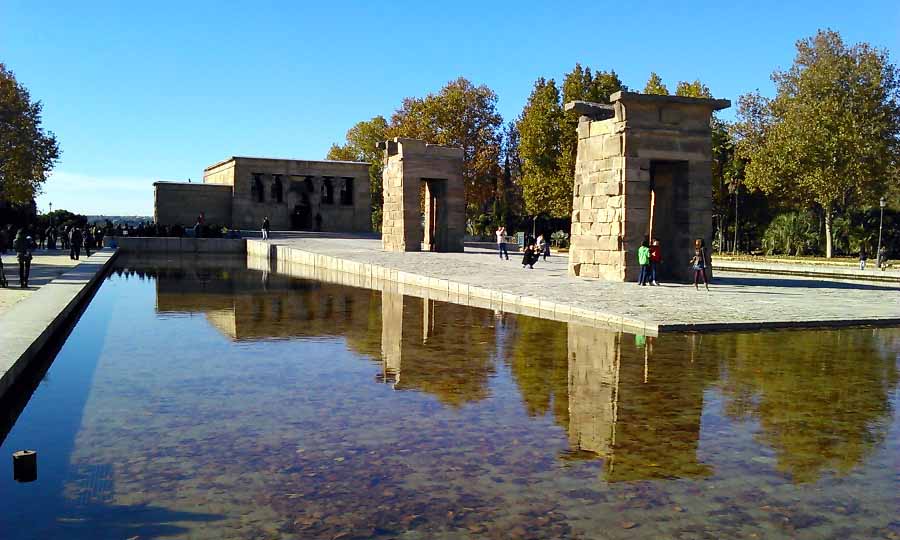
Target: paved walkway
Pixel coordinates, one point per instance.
(45, 267)
(734, 301)
(819, 270)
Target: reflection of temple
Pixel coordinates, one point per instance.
(640, 413)
(440, 348)
(641, 416)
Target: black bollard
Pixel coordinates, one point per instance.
(25, 466)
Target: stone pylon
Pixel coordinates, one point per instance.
(435, 221)
(643, 168)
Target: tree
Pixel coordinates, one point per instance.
(581, 84)
(461, 115)
(692, 89)
(831, 135)
(655, 85)
(544, 187)
(362, 145)
(27, 152)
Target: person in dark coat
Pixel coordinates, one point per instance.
(75, 240)
(23, 245)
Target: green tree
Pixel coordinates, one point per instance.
(581, 84)
(27, 152)
(692, 89)
(361, 144)
(545, 188)
(461, 115)
(655, 85)
(831, 135)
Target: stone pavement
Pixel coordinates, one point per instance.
(45, 267)
(735, 301)
(819, 270)
(28, 326)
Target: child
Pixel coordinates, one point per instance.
(655, 260)
(698, 263)
(644, 260)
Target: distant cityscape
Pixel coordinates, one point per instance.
(123, 220)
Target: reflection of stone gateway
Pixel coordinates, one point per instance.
(644, 164)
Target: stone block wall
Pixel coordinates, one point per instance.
(302, 185)
(659, 142)
(177, 203)
(409, 163)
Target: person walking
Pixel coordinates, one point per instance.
(265, 228)
(23, 245)
(862, 257)
(882, 258)
(501, 242)
(643, 255)
(75, 243)
(655, 261)
(88, 240)
(698, 263)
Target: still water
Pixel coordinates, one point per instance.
(201, 400)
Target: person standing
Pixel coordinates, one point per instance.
(265, 228)
(501, 242)
(643, 256)
(882, 257)
(698, 263)
(88, 240)
(655, 261)
(75, 243)
(23, 246)
(863, 257)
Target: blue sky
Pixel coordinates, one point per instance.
(143, 91)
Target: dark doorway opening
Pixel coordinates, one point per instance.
(435, 210)
(301, 217)
(670, 213)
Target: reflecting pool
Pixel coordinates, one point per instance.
(200, 399)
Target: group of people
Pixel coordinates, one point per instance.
(532, 251)
(25, 241)
(881, 261)
(650, 258)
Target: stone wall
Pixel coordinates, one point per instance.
(177, 203)
(408, 164)
(128, 244)
(662, 142)
(303, 193)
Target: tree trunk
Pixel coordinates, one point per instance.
(828, 231)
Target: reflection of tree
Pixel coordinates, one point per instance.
(821, 397)
(539, 366)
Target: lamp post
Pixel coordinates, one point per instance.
(882, 204)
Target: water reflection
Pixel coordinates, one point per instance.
(821, 398)
(236, 403)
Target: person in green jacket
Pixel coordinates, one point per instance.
(644, 260)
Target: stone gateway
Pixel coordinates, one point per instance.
(424, 197)
(295, 195)
(643, 169)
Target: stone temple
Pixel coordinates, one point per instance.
(295, 194)
(643, 169)
(419, 179)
